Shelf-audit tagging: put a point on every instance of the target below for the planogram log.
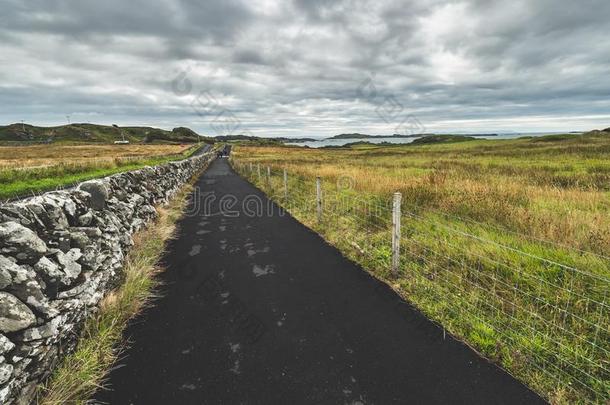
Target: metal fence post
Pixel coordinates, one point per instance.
(285, 184)
(319, 198)
(396, 233)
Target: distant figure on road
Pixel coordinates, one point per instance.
(224, 152)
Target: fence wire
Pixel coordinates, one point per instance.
(539, 309)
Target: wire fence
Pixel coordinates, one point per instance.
(538, 308)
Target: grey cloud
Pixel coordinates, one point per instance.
(249, 56)
(186, 19)
(294, 67)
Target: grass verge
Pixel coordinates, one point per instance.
(82, 372)
(506, 249)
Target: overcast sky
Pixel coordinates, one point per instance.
(308, 67)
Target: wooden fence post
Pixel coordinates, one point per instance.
(396, 233)
(319, 198)
(251, 170)
(285, 185)
(258, 170)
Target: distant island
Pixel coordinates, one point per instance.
(357, 135)
(227, 138)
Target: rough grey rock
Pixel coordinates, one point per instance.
(31, 292)
(5, 276)
(85, 219)
(16, 273)
(14, 314)
(68, 260)
(61, 240)
(5, 392)
(98, 191)
(5, 344)
(53, 215)
(73, 292)
(20, 241)
(91, 258)
(79, 240)
(21, 214)
(47, 330)
(69, 207)
(136, 200)
(50, 271)
(90, 231)
(6, 370)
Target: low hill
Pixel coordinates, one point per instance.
(441, 139)
(598, 132)
(232, 138)
(93, 133)
(355, 135)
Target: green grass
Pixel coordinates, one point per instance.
(82, 372)
(504, 243)
(21, 182)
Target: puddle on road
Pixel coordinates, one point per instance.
(263, 271)
(251, 249)
(235, 369)
(235, 347)
(195, 250)
(252, 252)
(281, 321)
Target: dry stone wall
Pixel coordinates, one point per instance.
(60, 253)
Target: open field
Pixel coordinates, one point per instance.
(505, 243)
(26, 169)
(49, 155)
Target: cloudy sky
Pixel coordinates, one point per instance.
(308, 67)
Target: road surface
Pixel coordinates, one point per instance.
(261, 310)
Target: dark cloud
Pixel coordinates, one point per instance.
(295, 68)
(249, 56)
(184, 19)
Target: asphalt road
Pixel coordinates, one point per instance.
(202, 149)
(260, 310)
